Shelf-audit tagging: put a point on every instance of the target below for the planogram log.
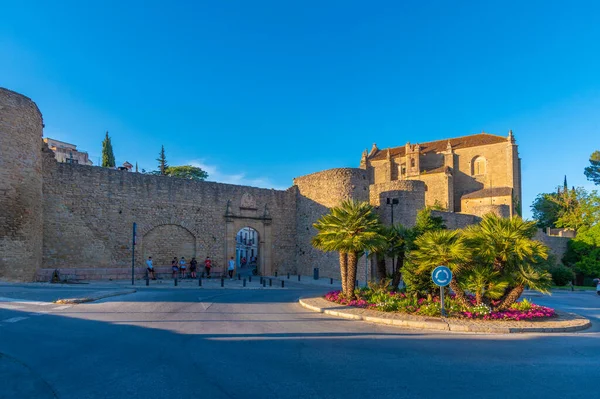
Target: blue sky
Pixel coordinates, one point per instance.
(259, 92)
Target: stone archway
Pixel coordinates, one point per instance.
(249, 215)
(166, 241)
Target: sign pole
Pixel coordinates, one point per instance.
(442, 301)
(442, 276)
(133, 254)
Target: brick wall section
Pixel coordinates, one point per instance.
(89, 213)
(20, 187)
(317, 193)
(456, 220)
(557, 245)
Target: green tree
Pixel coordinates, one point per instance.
(545, 210)
(442, 247)
(186, 172)
(108, 157)
(349, 229)
(397, 241)
(583, 252)
(485, 282)
(578, 209)
(508, 247)
(592, 172)
(162, 162)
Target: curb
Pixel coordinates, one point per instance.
(94, 297)
(443, 324)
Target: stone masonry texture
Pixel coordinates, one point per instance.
(79, 219)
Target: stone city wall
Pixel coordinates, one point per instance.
(317, 193)
(20, 186)
(557, 245)
(89, 212)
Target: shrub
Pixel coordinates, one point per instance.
(561, 275)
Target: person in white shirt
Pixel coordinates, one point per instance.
(182, 265)
(150, 268)
(231, 268)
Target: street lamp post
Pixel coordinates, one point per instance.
(391, 202)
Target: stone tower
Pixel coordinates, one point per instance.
(21, 221)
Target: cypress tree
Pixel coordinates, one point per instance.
(162, 161)
(108, 158)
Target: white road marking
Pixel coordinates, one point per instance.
(14, 319)
(24, 301)
(3, 306)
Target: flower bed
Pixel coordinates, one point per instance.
(402, 303)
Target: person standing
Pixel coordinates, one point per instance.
(207, 266)
(231, 268)
(150, 268)
(193, 265)
(174, 268)
(182, 266)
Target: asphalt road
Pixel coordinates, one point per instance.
(169, 343)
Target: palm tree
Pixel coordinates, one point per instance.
(525, 275)
(442, 247)
(507, 245)
(503, 241)
(397, 240)
(484, 282)
(350, 229)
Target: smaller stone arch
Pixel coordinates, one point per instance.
(478, 166)
(165, 241)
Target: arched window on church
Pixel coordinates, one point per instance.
(479, 165)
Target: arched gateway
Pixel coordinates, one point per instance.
(249, 215)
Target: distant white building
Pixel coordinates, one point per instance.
(246, 245)
(67, 153)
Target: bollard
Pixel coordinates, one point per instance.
(264, 283)
(270, 283)
(330, 281)
(244, 282)
(282, 283)
(249, 279)
(275, 274)
(261, 280)
(222, 282)
(288, 276)
(147, 281)
(356, 283)
(175, 281)
(298, 277)
(200, 282)
(316, 273)
(239, 276)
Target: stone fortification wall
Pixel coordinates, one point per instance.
(89, 212)
(501, 210)
(410, 195)
(20, 186)
(456, 220)
(557, 245)
(316, 194)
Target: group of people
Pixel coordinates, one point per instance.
(180, 267)
(244, 261)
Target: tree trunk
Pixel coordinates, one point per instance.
(478, 297)
(350, 283)
(512, 297)
(398, 273)
(460, 295)
(344, 271)
(381, 270)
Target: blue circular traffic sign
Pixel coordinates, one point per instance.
(441, 276)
